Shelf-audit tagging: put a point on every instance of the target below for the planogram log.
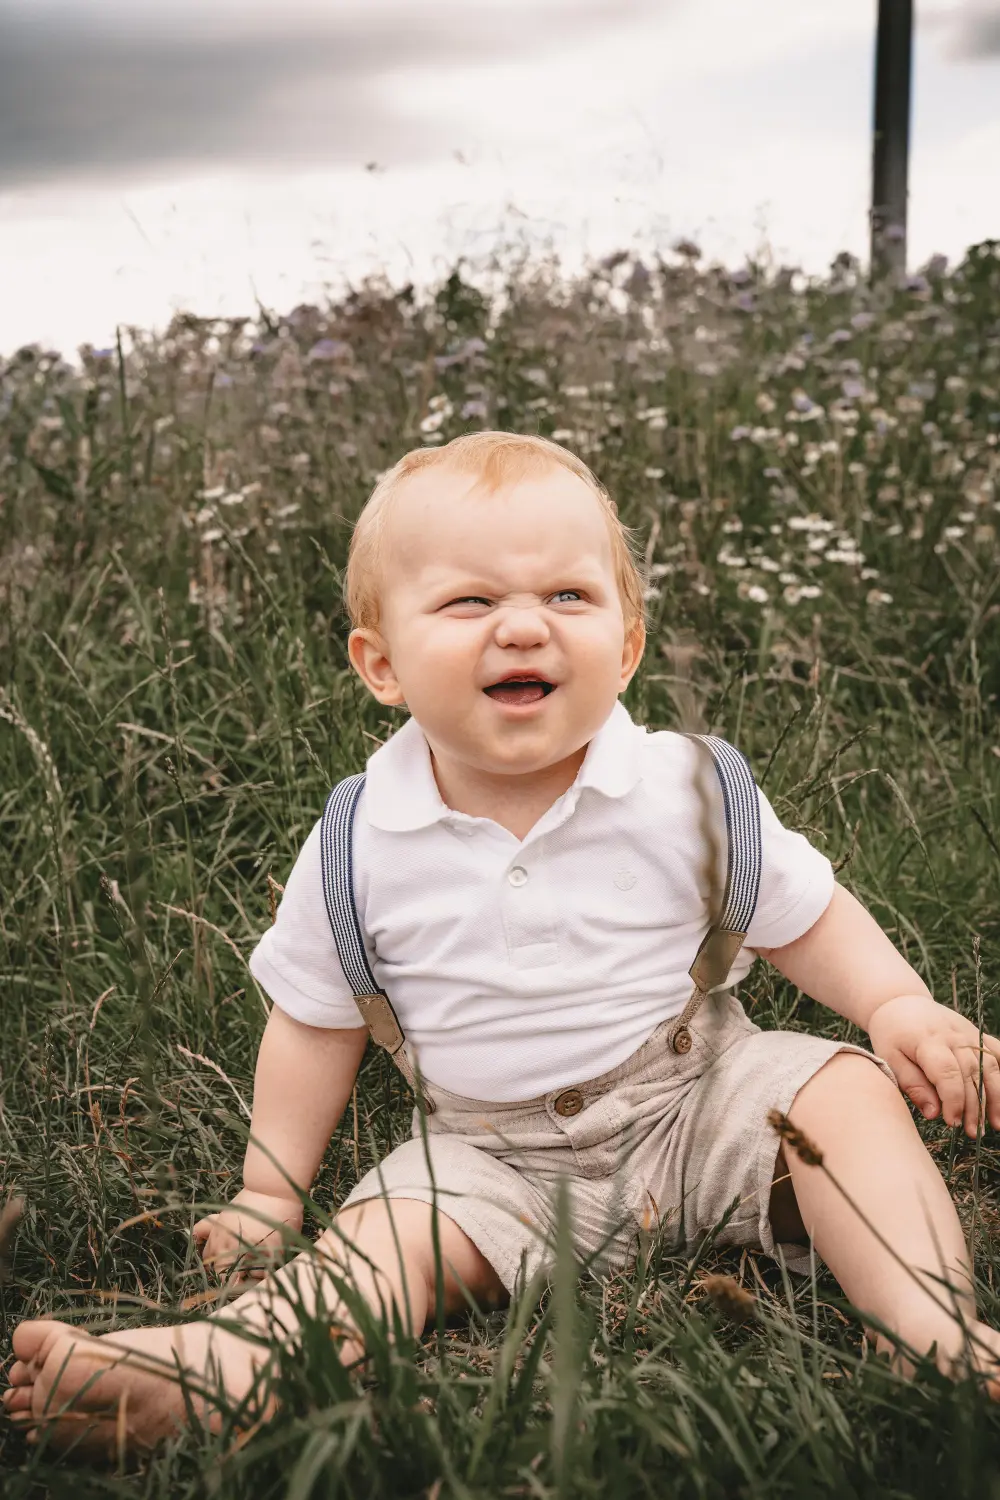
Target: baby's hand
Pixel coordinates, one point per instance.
(243, 1233)
(935, 1055)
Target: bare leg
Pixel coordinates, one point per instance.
(863, 1127)
(104, 1394)
(363, 1252)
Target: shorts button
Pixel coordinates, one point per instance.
(681, 1040)
(569, 1102)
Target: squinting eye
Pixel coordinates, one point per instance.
(470, 599)
(570, 594)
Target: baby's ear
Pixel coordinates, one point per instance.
(369, 658)
(635, 643)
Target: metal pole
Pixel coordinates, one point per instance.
(890, 163)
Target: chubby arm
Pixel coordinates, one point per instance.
(847, 962)
(302, 1083)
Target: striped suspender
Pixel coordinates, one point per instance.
(713, 960)
(337, 853)
(726, 936)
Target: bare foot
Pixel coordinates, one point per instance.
(122, 1392)
(975, 1352)
(983, 1356)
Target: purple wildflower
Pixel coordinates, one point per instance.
(328, 349)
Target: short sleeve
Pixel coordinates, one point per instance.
(296, 963)
(796, 883)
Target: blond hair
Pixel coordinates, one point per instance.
(496, 459)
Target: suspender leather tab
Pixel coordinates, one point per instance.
(715, 958)
(381, 1020)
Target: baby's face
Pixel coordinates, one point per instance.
(501, 624)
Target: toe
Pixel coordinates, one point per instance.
(18, 1398)
(21, 1373)
(33, 1338)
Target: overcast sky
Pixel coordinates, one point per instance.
(158, 154)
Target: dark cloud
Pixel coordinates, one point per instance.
(85, 93)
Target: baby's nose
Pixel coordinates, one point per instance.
(519, 625)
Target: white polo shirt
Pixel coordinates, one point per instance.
(520, 966)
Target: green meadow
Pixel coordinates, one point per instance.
(812, 467)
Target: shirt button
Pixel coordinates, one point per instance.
(569, 1102)
(518, 875)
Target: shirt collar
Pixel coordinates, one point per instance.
(401, 793)
(612, 764)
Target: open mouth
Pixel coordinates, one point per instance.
(518, 691)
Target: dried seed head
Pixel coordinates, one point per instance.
(808, 1153)
(731, 1299)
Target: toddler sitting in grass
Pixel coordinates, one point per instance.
(531, 885)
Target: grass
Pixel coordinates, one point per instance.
(812, 467)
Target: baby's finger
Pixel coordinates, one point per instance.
(201, 1231)
(915, 1084)
(942, 1068)
(236, 1271)
(984, 1098)
(219, 1251)
(987, 1063)
(252, 1264)
(974, 1105)
(991, 1084)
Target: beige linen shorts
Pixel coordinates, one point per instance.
(663, 1139)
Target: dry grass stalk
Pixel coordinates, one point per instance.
(273, 891)
(208, 1063)
(804, 1148)
(43, 755)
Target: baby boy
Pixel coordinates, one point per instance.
(531, 889)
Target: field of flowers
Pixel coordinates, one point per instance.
(813, 467)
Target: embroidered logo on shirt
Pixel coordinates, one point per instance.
(624, 879)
